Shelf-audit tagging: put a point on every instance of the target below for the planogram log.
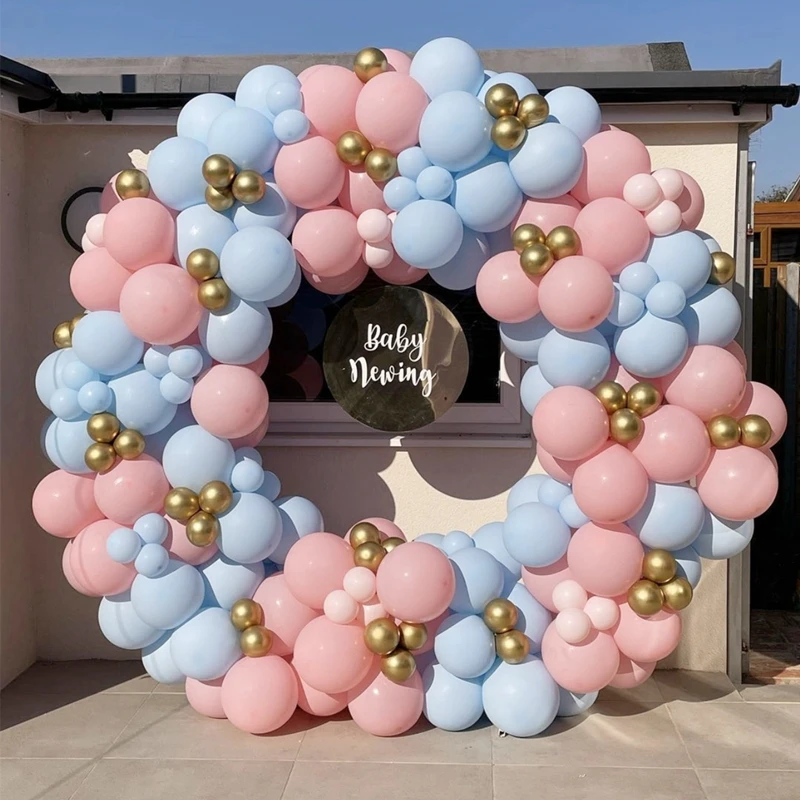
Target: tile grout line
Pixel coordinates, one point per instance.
(85, 778)
(688, 752)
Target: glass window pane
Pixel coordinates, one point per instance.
(785, 246)
(757, 245)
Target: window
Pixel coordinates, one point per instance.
(784, 245)
(757, 258)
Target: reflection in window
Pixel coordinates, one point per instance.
(785, 245)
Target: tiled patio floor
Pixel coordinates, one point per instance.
(104, 731)
(775, 646)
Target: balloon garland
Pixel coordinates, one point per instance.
(654, 444)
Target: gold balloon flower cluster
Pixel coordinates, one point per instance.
(109, 441)
(626, 408)
(62, 333)
(752, 430)
(132, 183)
(660, 587)
(203, 265)
(226, 186)
(354, 150)
(538, 252)
(247, 616)
(513, 116)
(368, 549)
(501, 616)
(199, 511)
(393, 642)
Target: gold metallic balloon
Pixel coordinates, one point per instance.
(512, 646)
(677, 594)
(382, 636)
(533, 110)
(132, 183)
(363, 532)
(369, 62)
(398, 666)
(624, 426)
(74, 321)
(219, 199)
(249, 187)
(563, 241)
(216, 497)
(369, 555)
(202, 264)
(219, 171)
(508, 133)
(245, 613)
(255, 641)
(413, 635)
(202, 529)
(501, 100)
(645, 598)
(723, 268)
(500, 615)
(129, 444)
(723, 431)
(527, 234)
(380, 164)
(643, 398)
(392, 542)
(103, 427)
(214, 294)
(659, 566)
(100, 457)
(353, 148)
(612, 395)
(181, 504)
(756, 431)
(535, 260)
(62, 335)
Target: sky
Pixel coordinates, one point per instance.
(718, 34)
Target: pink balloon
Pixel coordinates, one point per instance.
(94, 229)
(541, 581)
(646, 639)
(309, 173)
(130, 489)
(569, 594)
(332, 658)
(630, 239)
(616, 372)
(389, 110)
(399, 273)
(92, 566)
(359, 583)
(370, 612)
(330, 94)
(159, 304)
(584, 667)
(205, 697)
(96, 280)
(66, 568)
(576, 294)
(573, 625)
(605, 559)
(317, 703)
(341, 284)
(340, 607)
(504, 291)
(360, 193)
(670, 181)
(709, 381)
(63, 503)
(254, 438)
(761, 399)
(315, 566)
(691, 202)
(258, 366)
(374, 225)
(139, 232)
(227, 399)
(603, 612)
(415, 582)
(557, 468)
(285, 615)
(384, 708)
(326, 242)
(664, 219)
(631, 673)
(179, 545)
(548, 214)
(387, 528)
(398, 61)
(642, 191)
(674, 445)
(611, 486)
(735, 349)
(570, 422)
(259, 695)
(738, 484)
(307, 72)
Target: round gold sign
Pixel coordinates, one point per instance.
(395, 359)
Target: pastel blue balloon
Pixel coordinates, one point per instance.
(489, 537)
(570, 512)
(456, 131)
(291, 126)
(49, 372)
(411, 162)
(65, 442)
(607, 329)
(524, 338)
(298, 516)
(157, 660)
(549, 162)
(689, 565)
(284, 96)
(103, 342)
(712, 316)
(533, 388)
(652, 346)
(479, 579)
(451, 703)
(521, 84)
(520, 699)
(461, 272)
(185, 361)
(526, 490)
(154, 445)
(709, 241)
(427, 233)
(175, 170)
(434, 539)
(242, 453)
(75, 375)
(95, 397)
(123, 545)
(291, 290)
(238, 334)
(576, 109)
(226, 581)
(152, 561)
(121, 625)
(434, 183)
(139, 403)
(199, 113)
(464, 646)
(552, 492)
(272, 211)
(258, 263)
(247, 476)
(254, 87)
(200, 226)
(576, 359)
(64, 404)
(638, 278)
(400, 192)
(722, 538)
(626, 308)
(174, 389)
(671, 517)
(455, 541)
(535, 535)
(271, 487)
(666, 300)
(533, 619)
(446, 65)
(571, 704)
(171, 598)
(681, 257)
(207, 646)
(156, 360)
(250, 530)
(193, 457)
(246, 137)
(152, 528)
(486, 196)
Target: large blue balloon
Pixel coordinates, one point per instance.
(521, 84)
(199, 113)
(461, 272)
(446, 65)
(534, 618)
(571, 704)
(689, 565)
(533, 388)
(486, 196)
(227, 581)
(535, 535)
(246, 137)
(65, 442)
(238, 334)
(681, 257)
(549, 162)
(722, 538)
(652, 346)
(272, 211)
(201, 226)
(526, 490)
(258, 264)
(427, 233)
(574, 359)
(122, 626)
(479, 579)
(638, 278)
(299, 517)
(576, 109)
(253, 89)
(155, 443)
(103, 342)
(175, 170)
(712, 316)
(523, 339)
(158, 661)
(451, 703)
(193, 457)
(138, 402)
(671, 516)
(250, 529)
(489, 537)
(464, 646)
(169, 599)
(207, 646)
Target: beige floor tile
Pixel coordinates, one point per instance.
(327, 781)
(83, 678)
(648, 692)
(771, 693)
(740, 735)
(41, 779)
(693, 687)
(170, 688)
(722, 784)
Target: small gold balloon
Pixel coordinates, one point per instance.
(249, 187)
(353, 148)
(62, 335)
(100, 457)
(255, 641)
(756, 431)
(645, 598)
(512, 646)
(563, 241)
(103, 427)
(643, 398)
(398, 666)
(380, 164)
(219, 199)
(723, 268)
(501, 100)
(659, 566)
(500, 615)
(677, 594)
(392, 542)
(181, 504)
(245, 613)
(612, 395)
(533, 110)
(369, 62)
(202, 264)
(363, 532)
(215, 497)
(369, 555)
(525, 235)
(202, 529)
(508, 133)
(129, 444)
(624, 426)
(535, 260)
(74, 321)
(382, 636)
(214, 294)
(413, 635)
(219, 171)
(132, 183)
(723, 431)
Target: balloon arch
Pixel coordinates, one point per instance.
(655, 445)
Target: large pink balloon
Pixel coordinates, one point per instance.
(691, 202)
(69, 574)
(139, 232)
(309, 173)
(415, 582)
(64, 504)
(540, 581)
(330, 94)
(179, 545)
(605, 559)
(631, 673)
(576, 294)
(548, 214)
(399, 273)
(735, 349)
(738, 484)
(709, 381)
(557, 468)
(389, 110)
(91, 565)
(252, 439)
(761, 399)
(628, 242)
(159, 304)
(96, 280)
(130, 489)
(259, 695)
(398, 61)
(384, 708)
(584, 667)
(504, 291)
(360, 193)
(326, 242)
(570, 422)
(674, 445)
(205, 697)
(285, 615)
(611, 486)
(645, 639)
(341, 284)
(317, 703)
(227, 399)
(315, 566)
